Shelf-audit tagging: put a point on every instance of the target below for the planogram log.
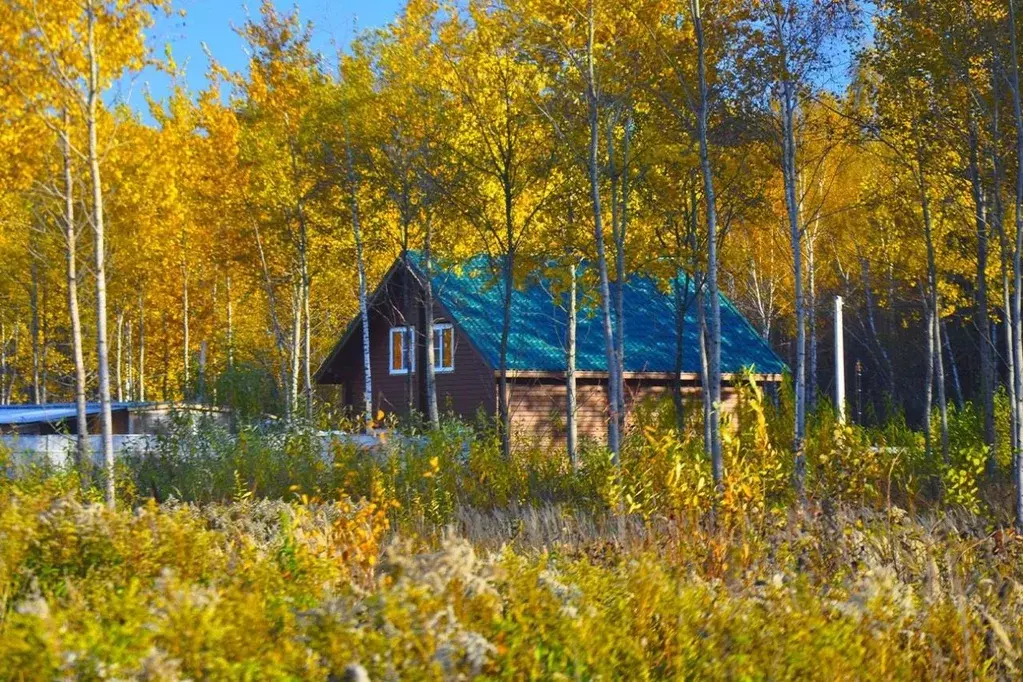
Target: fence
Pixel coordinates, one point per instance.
(59, 450)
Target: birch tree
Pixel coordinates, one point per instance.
(504, 153)
(786, 45)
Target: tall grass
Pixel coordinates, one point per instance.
(286, 553)
(664, 471)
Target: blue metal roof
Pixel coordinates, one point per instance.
(34, 413)
(474, 298)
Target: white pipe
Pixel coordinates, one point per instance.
(839, 362)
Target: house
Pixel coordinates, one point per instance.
(467, 331)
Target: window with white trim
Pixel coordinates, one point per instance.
(443, 348)
(403, 350)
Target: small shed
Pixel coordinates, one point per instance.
(129, 418)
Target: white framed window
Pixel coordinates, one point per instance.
(443, 348)
(402, 350)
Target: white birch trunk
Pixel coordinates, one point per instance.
(712, 385)
(129, 386)
(186, 358)
(304, 293)
(929, 394)
(142, 349)
(202, 393)
(571, 403)
(987, 359)
(296, 352)
(363, 296)
(307, 349)
(33, 299)
(939, 379)
(788, 113)
(811, 320)
(230, 326)
(433, 413)
(680, 295)
(275, 322)
(1017, 268)
(3, 363)
(119, 356)
(103, 370)
(614, 435)
(935, 313)
(953, 365)
(708, 403)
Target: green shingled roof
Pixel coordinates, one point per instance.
(473, 297)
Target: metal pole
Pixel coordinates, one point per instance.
(839, 362)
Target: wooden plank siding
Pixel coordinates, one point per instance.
(538, 405)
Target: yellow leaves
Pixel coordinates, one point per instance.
(434, 469)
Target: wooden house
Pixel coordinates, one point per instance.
(467, 316)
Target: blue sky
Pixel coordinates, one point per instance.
(212, 22)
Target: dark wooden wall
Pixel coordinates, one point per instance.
(463, 392)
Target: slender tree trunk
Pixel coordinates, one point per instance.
(44, 350)
(614, 423)
(953, 365)
(932, 286)
(987, 372)
(939, 379)
(129, 385)
(230, 326)
(119, 356)
(712, 385)
(507, 273)
(186, 351)
(868, 293)
(1010, 361)
(571, 424)
(71, 246)
(103, 374)
(166, 357)
(409, 318)
(360, 262)
(795, 236)
(142, 349)
(275, 322)
(681, 293)
(201, 384)
(1006, 256)
(929, 396)
(3, 363)
(296, 351)
(307, 349)
(307, 372)
(617, 285)
(432, 410)
(12, 370)
(1010, 354)
(33, 300)
(620, 274)
(811, 320)
(708, 403)
(304, 295)
(1017, 268)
